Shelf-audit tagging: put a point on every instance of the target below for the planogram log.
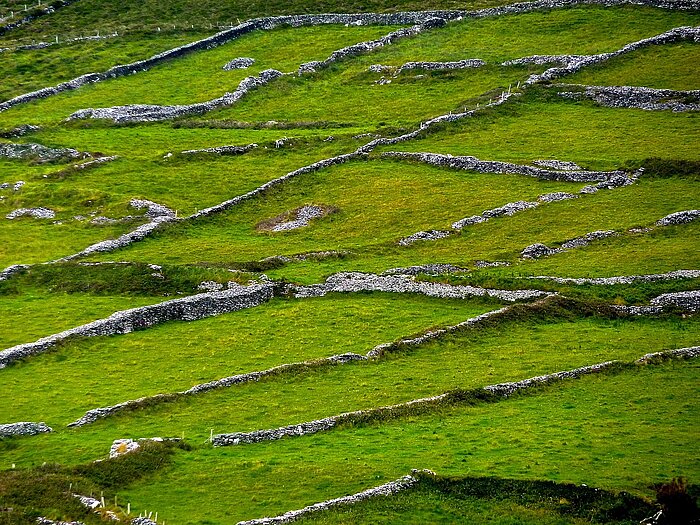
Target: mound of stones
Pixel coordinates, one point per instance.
(19, 131)
(295, 219)
(39, 152)
(23, 429)
(680, 217)
(431, 235)
(239, 63)
(37, 213)
(189, 308)
(153, 113)
(638, 97)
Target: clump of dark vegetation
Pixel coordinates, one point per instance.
(666, 168)
(47, 491)
(678, 505)
(116, 279)
(591, 504)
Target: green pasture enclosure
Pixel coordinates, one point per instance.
(669, 66)
(600, 430)
(38, 313)
(26, 70)
(178, 355)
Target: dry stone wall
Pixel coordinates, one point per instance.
(680, 217)
(637, 97)
(623, 279)
(38, 151)
(184, 309)
(352, 282)
(386, 489)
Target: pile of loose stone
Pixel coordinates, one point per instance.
(239, 63)
(39, 152)
(23, 428)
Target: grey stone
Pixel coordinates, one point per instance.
(23, 429)
(680, 217)
(239, 63)
(37, 213)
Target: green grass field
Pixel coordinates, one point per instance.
(595, 449)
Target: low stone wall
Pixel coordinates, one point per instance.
(569, 64)
(488, 166)
(352, 282)
(386, 489)
(680, 217)
(537, 250)
(23, 429)
(622, 279)
(681, 353)
(429, 269)
(12, 270)
(637, 97)
(411, 17)
(509, 209)
(184, 309)
(154, 113)
(34, 14)
(100, 413)
(222, 150)
(688, 301)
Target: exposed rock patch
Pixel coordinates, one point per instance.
(38, 152)
(37, 213)
(239, 63)
(296, 218)
(23, 429)
(222, 150)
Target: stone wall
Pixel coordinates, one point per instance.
(34, 14)
(386, 489)
(412, 17)
(489, 166)
(352, 282)
(637, 97)
(38, 151)
(154, 113)
(184, 309)
(622, 279)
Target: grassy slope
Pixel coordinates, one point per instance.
(602, 431)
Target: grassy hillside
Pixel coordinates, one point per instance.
(297, 188)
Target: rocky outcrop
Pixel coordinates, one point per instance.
(31, 151)
(37, 213)
(680, 217)
(184, 309)
(239, 63)
(295, 219)
(19, 131)
(352, 282)
(537, 250)
(154, 113)
(637, 97)
(488, 166)
(23, 429)
(386, 489)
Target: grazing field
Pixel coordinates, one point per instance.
(349, 268)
